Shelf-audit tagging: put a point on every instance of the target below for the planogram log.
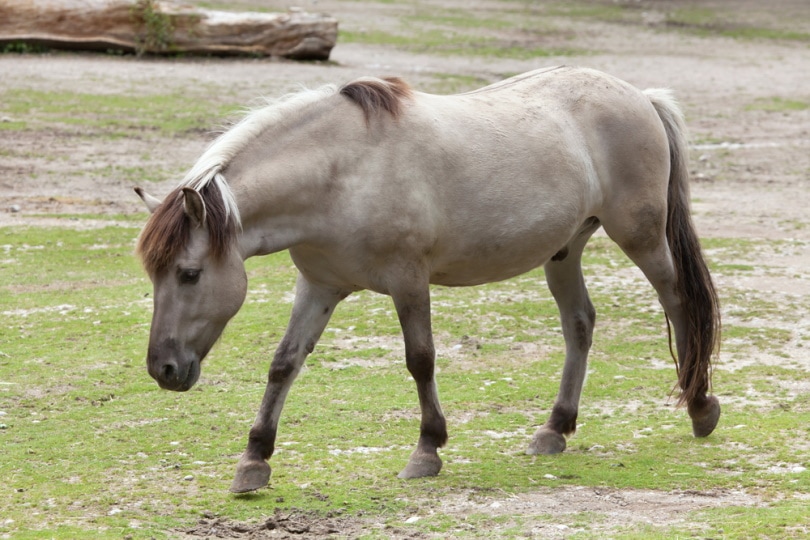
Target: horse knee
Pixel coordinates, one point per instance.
(580, 328)
(285, 362)
(280, 370)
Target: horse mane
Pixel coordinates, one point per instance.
(374, 95)
(167, 231)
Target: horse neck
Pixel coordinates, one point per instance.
(282, 180)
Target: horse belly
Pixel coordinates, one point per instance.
(495, 257)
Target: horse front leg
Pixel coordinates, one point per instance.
(311, 312)
(577, 315)
(413, 309)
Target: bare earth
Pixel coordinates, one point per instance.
(751, 177)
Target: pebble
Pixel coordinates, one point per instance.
(189, 477)
(14, 208)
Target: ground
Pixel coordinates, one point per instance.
(750, 169)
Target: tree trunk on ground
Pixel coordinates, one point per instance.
(163, 27)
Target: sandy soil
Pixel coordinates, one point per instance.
(751, 172)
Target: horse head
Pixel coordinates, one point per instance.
(199, 280)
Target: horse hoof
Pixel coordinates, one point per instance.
(421, 466)
(705, 416)
(546, 441)
(250, 476)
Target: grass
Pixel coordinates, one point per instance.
(732, 23)
(115, 115)
(94, 449)
(778, 104)
(439, 42)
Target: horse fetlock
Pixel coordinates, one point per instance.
(421, 464)
(705, 413)
(251, 474)
(546, 441)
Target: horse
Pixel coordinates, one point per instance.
(373, 185)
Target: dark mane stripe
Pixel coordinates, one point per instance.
(375, 95)
(167, 231)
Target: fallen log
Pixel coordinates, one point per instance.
(163, 27)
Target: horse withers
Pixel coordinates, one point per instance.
(373, 185)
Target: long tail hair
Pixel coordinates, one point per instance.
(694, 283)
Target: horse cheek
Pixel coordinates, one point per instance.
(234, 294)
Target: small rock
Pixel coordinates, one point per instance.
(188, 477)
(3, 426)
(14, 208)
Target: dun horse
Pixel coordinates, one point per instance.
(373, 185)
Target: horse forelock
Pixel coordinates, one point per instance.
(168, 229)
(374, 95)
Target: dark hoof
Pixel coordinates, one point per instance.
(704, 416)
(250, 476)
(546, 441)
(421, 465)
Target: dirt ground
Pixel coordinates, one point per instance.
(750, 167)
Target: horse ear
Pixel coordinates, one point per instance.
(194, 206)
(151, 202)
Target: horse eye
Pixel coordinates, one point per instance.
(189, 276)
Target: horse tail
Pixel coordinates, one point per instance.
(694, 287)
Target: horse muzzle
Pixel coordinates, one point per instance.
(173, 371)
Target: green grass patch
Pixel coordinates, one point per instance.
(778, 104)
(728, 23)
(592, 11)
(440, 42)
(20, 47)
(114, 114)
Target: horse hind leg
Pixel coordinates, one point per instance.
(577, 315)
(693, 316)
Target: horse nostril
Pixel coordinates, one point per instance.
(168, 371)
